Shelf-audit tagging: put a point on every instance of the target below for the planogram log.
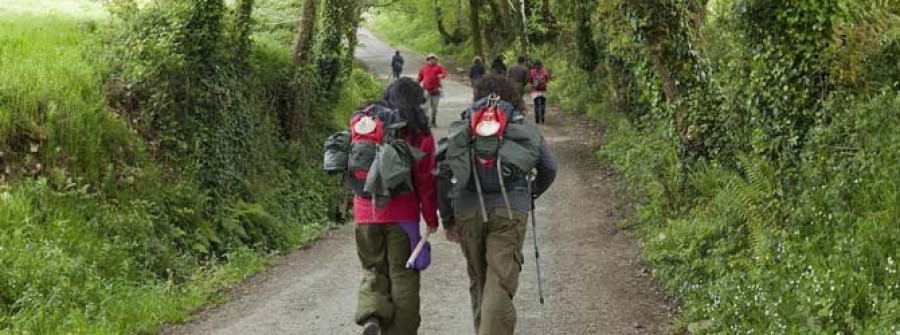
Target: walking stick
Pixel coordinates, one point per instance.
(537, 253)
(417, 250)
(537, 256)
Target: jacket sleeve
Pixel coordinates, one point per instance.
(425, 182)
(443, 72)
(547, 167)
(421, 77)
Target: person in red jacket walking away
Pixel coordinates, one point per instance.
(538, 78)
(430, 76)
(386, 233)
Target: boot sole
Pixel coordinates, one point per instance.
(371, 330)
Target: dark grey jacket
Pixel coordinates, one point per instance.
(519, 75)
(397, 63)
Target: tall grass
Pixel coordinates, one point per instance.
(52, 101)
(90, 9)
(96, 236)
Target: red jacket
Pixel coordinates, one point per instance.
(407, 207)
(534, 75)
(430, 77)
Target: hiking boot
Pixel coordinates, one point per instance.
(371, 327)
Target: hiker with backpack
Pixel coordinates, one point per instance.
(498, 67)
(485, 172)
(477, 70)
(388, 156)
(396, 66)
(538, 78)
(430, 76)
(518, 74)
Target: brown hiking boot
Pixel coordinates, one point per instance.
(371, 327)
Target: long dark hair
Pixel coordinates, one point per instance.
(501, 86)
(407, 97)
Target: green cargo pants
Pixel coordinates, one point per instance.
(388, 290)
(494, 260)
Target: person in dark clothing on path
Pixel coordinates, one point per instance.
(498, 67)
(477, 70)
(397, 66)
(489, 219)
(538, 78)
(518, 75)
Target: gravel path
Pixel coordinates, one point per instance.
(594, 279)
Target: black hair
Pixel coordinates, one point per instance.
(537, 63)
(407, 97)
(521, 59)
(501, 86)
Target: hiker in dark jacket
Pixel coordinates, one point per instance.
(389, 292)
(498, 67)
(477, 70)
(518, 74)
(397, 65)
(491, 228)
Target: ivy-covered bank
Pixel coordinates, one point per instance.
(153, 155)
(758, 141)
(754, 137)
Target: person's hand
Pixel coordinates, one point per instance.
(431, 230)
(452, 234)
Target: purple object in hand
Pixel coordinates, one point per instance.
(424, 259)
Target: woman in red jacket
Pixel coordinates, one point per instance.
(389, 292)
(538, 78)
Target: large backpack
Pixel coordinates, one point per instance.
(490, 149)
(377, 161)
(540, 80)
(397, 63)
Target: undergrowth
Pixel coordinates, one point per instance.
(116, 217)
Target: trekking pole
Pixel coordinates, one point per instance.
(417, 250)
(537, 256)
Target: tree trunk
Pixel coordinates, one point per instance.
(306, 31)
(585, 45)
(456, 36)
(352, 24)
(477, 47)
(243, 29)
(698, 12)
(497, 27)
(526, 44)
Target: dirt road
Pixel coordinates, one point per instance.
(594, 280)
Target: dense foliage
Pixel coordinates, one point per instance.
(757, 137)
(147, 157)
(784, 222)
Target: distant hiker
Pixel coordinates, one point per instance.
(397, 66)
(483, 172)
(477, 70)
(430, 76)
(498, 67)
(518, 74)
(538, 78)
(388, 155)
